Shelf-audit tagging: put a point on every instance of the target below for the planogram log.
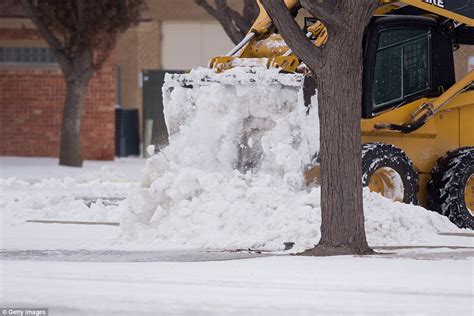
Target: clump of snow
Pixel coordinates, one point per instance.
(193, 196)
(249, 62)
(274, 42)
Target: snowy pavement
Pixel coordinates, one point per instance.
(88, 270)
(272, 286)
(81, 270)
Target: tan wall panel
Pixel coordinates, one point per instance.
(149, 52)
(215, 42)
(181, 9)
(138, 49)
(186, 45)
(127, 61)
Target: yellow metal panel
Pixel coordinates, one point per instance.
(447, 138)
(466, 132)
(260, 26)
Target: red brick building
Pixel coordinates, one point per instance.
(32, 92)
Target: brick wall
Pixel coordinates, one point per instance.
(31, 102)
(19, 34)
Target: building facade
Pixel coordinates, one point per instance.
(172, 36)
(32, 88)
(32, 92)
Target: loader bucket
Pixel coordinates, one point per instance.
(267, 109)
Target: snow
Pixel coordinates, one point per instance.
(192, 196)
(262, 286)
(249, 62)
(39, 189)
(37, 236)
(273, 43)
(34, 169)
(86, 270)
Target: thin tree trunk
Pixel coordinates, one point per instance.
(70, 149)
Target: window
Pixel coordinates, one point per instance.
(402, 66)
(26, 55)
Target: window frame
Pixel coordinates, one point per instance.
(403, 96)
(443, 70)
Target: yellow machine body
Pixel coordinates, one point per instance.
(450, 128)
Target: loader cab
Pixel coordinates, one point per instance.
(405, 58)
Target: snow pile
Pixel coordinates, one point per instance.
(193, 196)
(33, 188)
(60, 199)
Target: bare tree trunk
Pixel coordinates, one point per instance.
(70, 149)
(339, 86)
(337, 68)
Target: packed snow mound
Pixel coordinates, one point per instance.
(60, 199)
(37, 188)
(192, 196)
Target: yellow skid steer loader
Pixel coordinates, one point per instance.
(417, 121)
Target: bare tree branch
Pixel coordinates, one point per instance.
(209, 8)
(228, 22)
(235, 24)
(235, 16)
(291, 32)
(251, 10)
(327, 12)
(74, 12)
(52, 40)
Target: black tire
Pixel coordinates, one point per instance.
(447, 186)
(381, 155)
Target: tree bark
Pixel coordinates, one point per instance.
(70, 148)
(337, 68)
(77, 74)
(235, 24)
(339, 85)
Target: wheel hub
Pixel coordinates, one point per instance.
(388, 183)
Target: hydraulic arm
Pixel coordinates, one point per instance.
(260, 34)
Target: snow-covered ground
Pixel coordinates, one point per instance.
(87, 270)
(34, 169)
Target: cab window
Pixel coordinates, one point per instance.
(402, 66)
